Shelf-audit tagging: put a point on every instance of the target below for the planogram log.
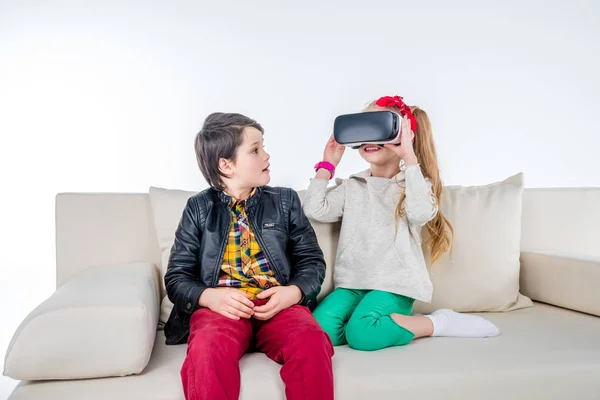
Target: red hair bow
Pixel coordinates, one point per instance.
(396, 101)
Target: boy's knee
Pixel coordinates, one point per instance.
(203, 341)
(213, 340)
(311, 343)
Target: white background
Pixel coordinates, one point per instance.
(107, 96)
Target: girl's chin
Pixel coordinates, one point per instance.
(372, 157)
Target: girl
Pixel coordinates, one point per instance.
(380, 267)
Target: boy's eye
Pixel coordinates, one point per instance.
(255, 151)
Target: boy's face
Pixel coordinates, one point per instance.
(251, 166)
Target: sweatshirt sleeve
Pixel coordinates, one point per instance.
(421, 204)
(324, 204)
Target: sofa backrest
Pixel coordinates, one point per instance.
(562, 221)
(96, 229)
(104, 228)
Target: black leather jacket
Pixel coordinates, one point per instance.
(281, 228)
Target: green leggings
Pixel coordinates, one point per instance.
(361, 318)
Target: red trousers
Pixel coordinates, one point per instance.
(292, 338)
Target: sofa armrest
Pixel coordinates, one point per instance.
(563, 281)
(102, 322)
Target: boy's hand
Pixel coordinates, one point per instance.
(281, 297)
(333, 152)
(228, 302)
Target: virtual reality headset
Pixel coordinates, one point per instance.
(377, 127)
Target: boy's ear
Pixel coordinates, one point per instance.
(225, 167)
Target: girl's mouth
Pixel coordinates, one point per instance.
(370, 148)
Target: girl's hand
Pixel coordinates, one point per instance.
(405, 150)
(333, 152)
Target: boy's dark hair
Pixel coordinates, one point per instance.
(220, 137)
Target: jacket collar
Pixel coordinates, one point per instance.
(250, 202)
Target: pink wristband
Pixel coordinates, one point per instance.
(326, 165)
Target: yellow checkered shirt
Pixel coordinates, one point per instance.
(244, 266)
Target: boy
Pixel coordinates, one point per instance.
(244, 272)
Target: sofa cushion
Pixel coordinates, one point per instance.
(101, 322)
(167, 208)
(482, 273)
(543, 352)
(564, 281)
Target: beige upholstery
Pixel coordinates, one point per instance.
(103, 229)
(167, 207)
(102, 322)
(561, 221)
(544, 352)
(563, 281)
(482, 273)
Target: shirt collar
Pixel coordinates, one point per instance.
(234, 201)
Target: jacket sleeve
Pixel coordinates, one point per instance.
(421, 204)
(308, 263)
(182, 279)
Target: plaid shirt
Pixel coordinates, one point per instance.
(244, 264)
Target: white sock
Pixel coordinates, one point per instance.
(453, 324)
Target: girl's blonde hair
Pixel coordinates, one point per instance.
(441, 234)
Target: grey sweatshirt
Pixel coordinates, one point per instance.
(371, 254)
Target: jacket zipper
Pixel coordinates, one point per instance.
(222, 253)
(266, 251)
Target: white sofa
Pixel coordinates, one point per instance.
(548, 351)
